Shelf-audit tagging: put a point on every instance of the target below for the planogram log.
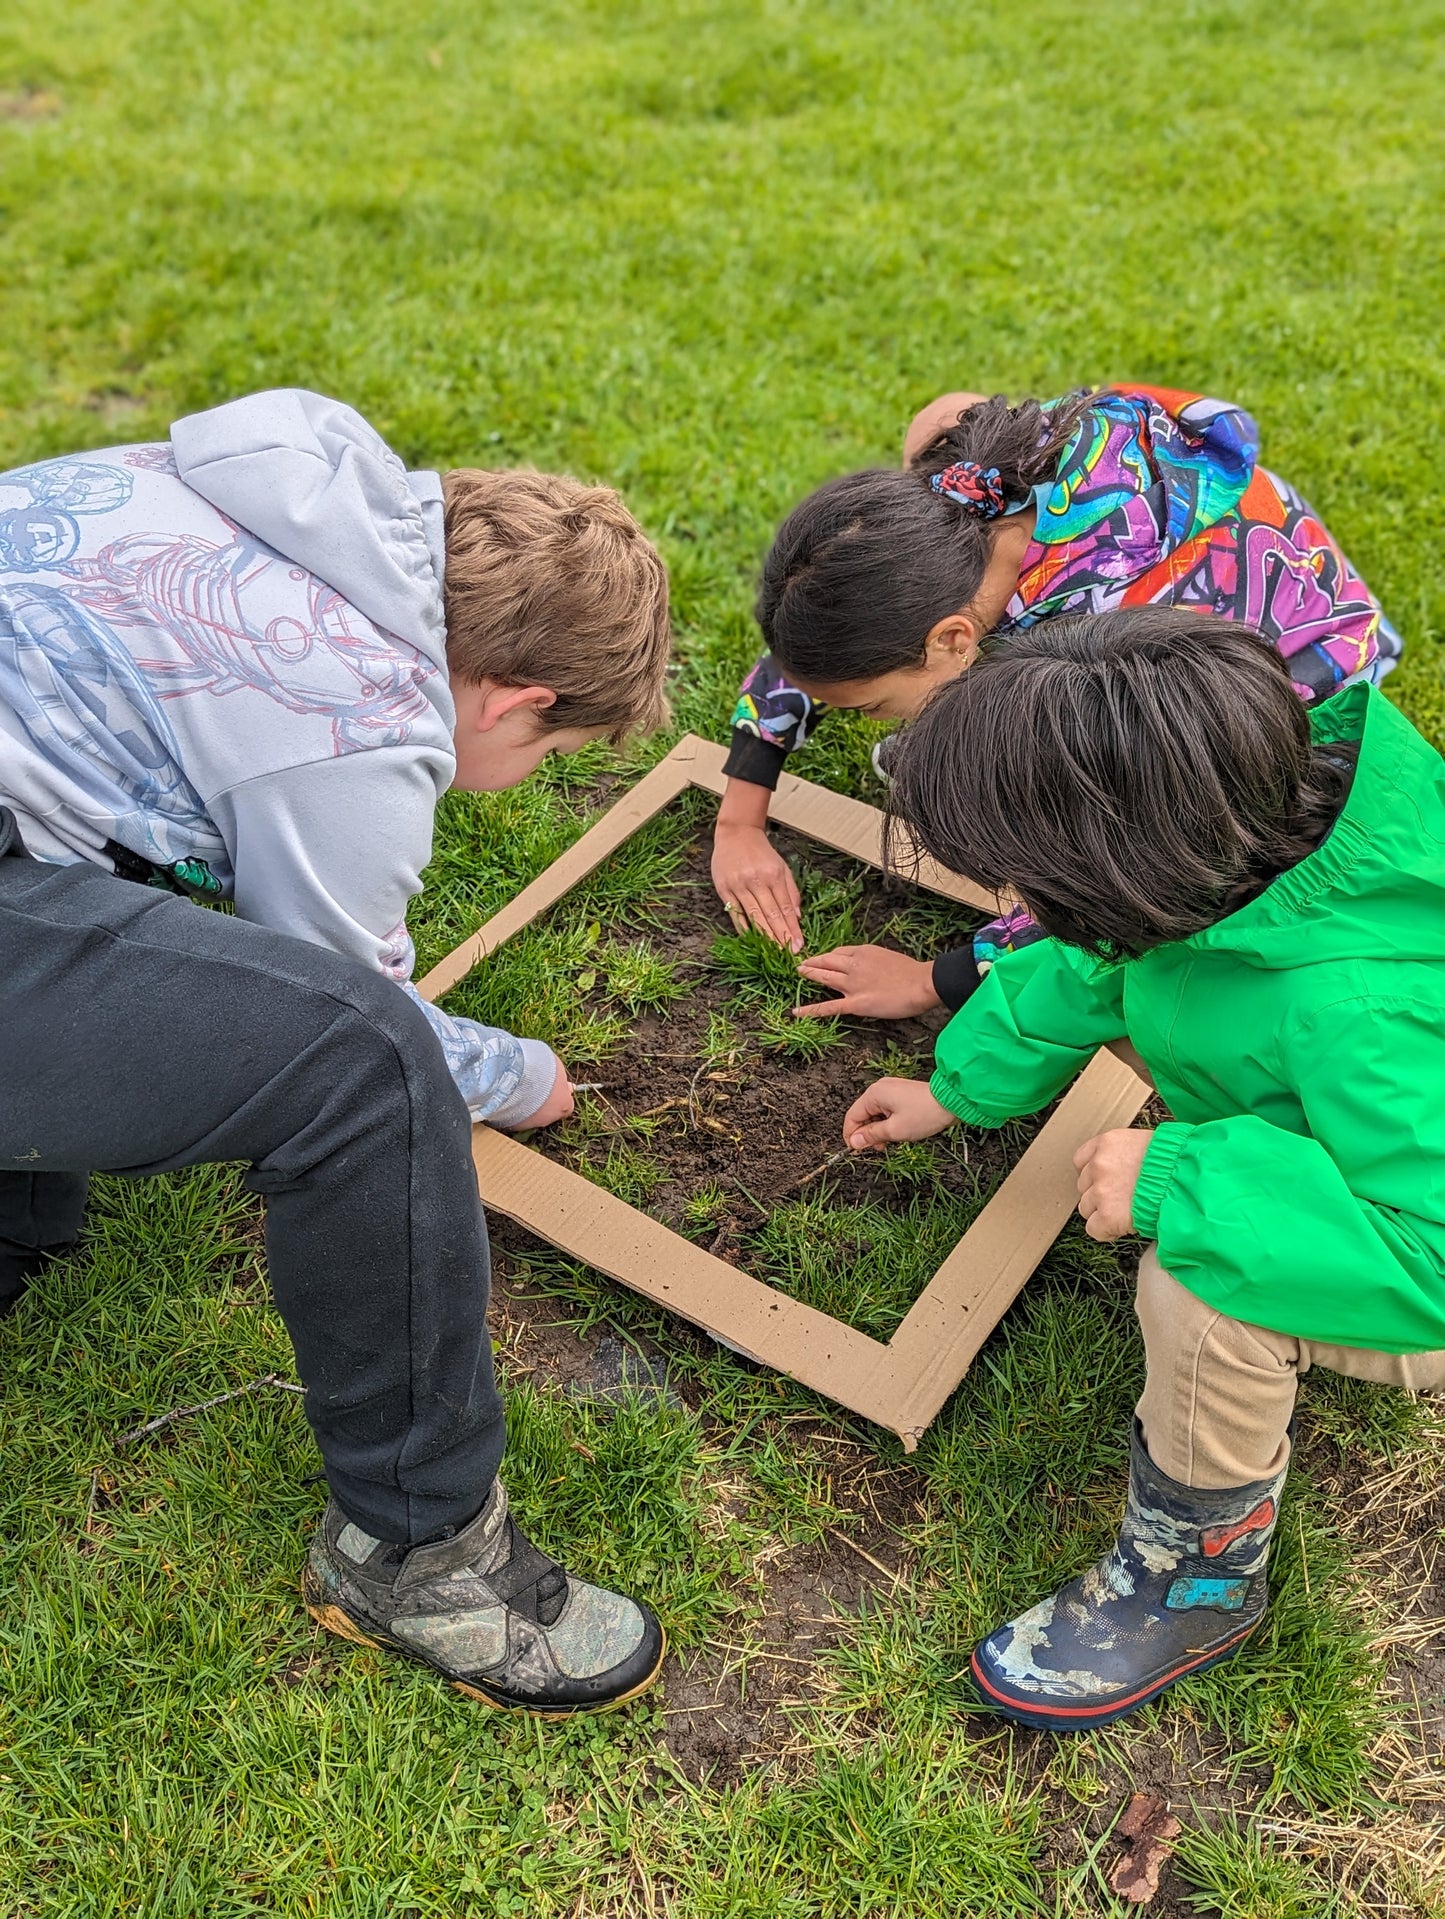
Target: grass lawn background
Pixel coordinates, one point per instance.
(711, 255)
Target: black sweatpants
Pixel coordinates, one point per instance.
(139, 1033)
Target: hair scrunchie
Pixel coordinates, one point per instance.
(977, 489)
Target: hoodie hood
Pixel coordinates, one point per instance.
(309, 477)
(1375, 889)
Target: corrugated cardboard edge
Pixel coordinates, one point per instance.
(978, 1282)
(901, 1385)
(763, 1324)
(847, 825)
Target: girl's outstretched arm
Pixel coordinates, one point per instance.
(753, 880)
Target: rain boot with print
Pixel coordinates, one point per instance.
(1182, 1590)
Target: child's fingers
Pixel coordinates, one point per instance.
(1084, 1154)
(869, 1121)
(823, 974)
(786, 908)
(824, 1008)
(750, 905)
(1103, 1225)
(835, 960)
(1100, 1220)
(768, 913)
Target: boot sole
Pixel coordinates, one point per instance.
(1086, 1718)
(334, 1620)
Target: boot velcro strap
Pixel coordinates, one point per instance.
(525, 1567)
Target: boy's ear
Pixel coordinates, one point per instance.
(497, 701)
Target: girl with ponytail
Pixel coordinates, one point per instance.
(880, 586)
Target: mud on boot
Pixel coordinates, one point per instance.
(1182, 1590)
(487, 1610)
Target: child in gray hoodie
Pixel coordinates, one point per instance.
(224, 665)
(245, 664)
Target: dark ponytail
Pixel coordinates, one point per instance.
(863, 570)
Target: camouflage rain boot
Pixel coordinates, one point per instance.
(488, 1611)
(1182, 1590)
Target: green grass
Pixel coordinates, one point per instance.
(711, 254)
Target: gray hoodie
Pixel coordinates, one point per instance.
(223, 667)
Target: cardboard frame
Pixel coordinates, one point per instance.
(903, 1383)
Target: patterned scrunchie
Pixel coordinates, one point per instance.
(977, 489)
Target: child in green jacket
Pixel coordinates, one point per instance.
(1254, 897)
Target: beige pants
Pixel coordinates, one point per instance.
(1219, 1395)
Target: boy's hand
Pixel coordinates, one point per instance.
(1108, 1173)
(558, 1104)
(893, 1110)
(876, 983)
(755, 883)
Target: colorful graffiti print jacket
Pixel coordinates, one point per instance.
(223, 670)
(1299, 1044)
(1159, 498)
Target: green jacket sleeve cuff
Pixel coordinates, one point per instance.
(1155, 1174)
(945, 1090)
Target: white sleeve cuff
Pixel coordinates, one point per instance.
(539, 1076)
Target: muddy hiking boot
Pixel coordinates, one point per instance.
(488, 1611)
(1182, 1590)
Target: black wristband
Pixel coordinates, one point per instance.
(757, 761)
(955, 976)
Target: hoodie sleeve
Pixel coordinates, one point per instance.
(331, 852)
(309, 477)
(1336, 1234)
(1033, 1022)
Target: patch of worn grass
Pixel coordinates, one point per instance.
(567, 978)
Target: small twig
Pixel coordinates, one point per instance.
(692, 1108)
(833, 1159)
(201, 1406)
(887, 1571)
(593, 1086)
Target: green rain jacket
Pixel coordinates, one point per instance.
(1299, 1044)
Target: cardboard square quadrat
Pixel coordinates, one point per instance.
(901, 1384)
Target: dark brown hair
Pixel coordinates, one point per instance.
(1131, 777)
(550, 582)
(863, 569)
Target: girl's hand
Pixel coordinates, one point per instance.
(557, 1105)
(876, 983)
(893, 1110)
(1108, 1173)
(755, 883)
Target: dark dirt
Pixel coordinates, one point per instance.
(765, 1125)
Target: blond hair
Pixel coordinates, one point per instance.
(553, 583)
